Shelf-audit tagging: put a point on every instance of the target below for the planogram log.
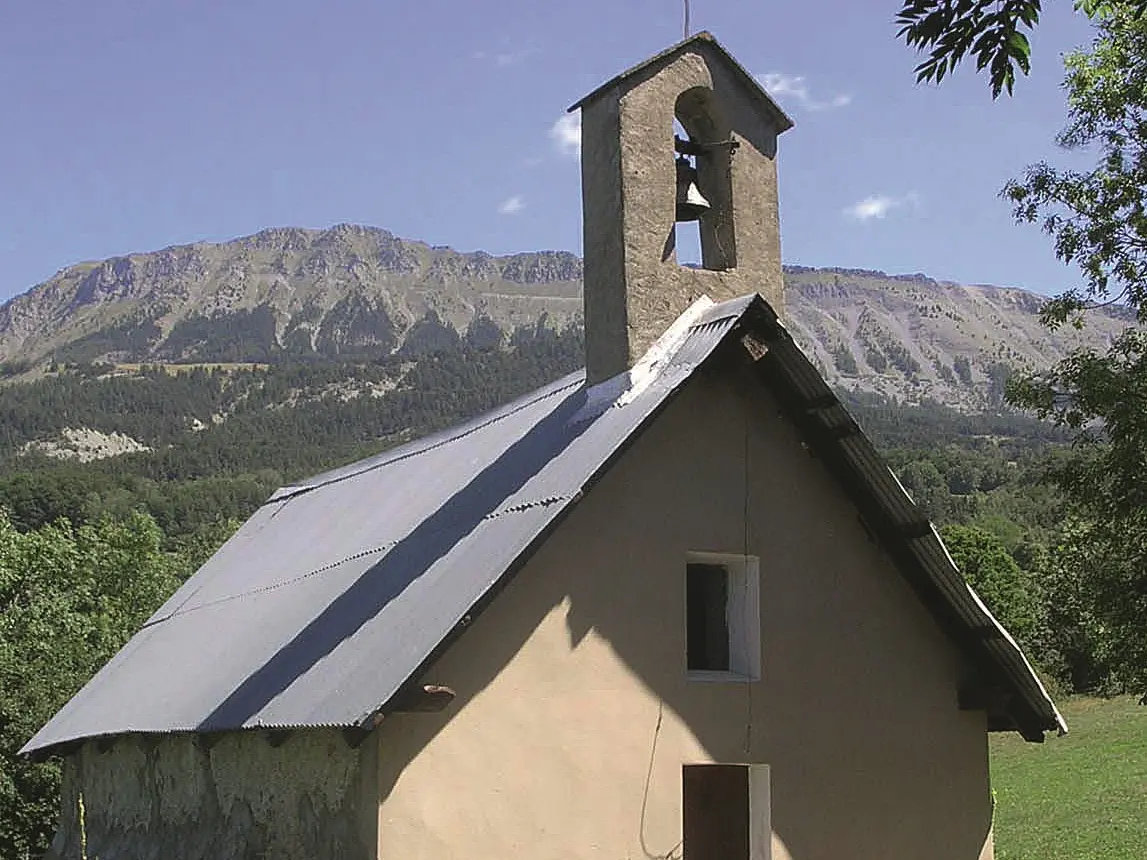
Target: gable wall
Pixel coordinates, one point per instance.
(573, 680)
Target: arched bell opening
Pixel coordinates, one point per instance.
(686, 230)
(704, 189)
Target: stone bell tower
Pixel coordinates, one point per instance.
(632, 163)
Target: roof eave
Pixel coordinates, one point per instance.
(816, 409)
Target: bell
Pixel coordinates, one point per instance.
(690, 201)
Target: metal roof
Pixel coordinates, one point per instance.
(340, 590)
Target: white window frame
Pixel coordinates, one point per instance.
(742, 616)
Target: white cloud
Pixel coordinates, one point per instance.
(566, 134)
(876, 206)
(879, 205)
(505, 57)
(794, 89)
(512, 205)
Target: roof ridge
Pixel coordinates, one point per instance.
(703, 314)
(418, 623)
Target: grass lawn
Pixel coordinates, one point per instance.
(1079, 797)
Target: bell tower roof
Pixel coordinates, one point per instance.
(703, 40)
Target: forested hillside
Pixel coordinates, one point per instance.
(211, 442)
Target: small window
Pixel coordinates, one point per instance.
(707, 587)
(722, 618)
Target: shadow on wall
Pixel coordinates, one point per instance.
(856, 716)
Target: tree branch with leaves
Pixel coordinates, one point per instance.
(994, 32)
(1097, 219)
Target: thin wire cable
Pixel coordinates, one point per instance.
(671, 853)
(749, 612)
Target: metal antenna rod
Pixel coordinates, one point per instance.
(686, 19)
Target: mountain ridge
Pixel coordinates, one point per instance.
(353, 291)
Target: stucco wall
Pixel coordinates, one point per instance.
(572, 686)
(170, 798)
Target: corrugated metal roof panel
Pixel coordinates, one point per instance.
(336, 592)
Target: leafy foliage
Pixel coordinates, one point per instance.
(992, 31)
(429, 335)
(132, 337)
(1012, 593)
(900, 358)
(223, 441)
(844, 360)
(963, 369)
(69, 598)
(90, 549)
(875, 359)
(1098, 219)
(989, 30)
(355, 328)
(243, 335)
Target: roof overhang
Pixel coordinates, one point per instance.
(1004, 684)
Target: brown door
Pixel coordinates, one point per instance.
(715, 812)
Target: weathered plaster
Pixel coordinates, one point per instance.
(572, 689)
(632, 290)
(173, 797)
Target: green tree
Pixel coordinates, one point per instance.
(927, 487)
(1010, 592)
(1098, 220)
(1084, 649)
(69, 599)
(963, 368)
(992, 31)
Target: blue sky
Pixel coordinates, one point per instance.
(130, 126)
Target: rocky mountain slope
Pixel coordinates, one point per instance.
(353, 291)
(914, 339)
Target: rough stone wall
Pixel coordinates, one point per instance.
(634, 286)
(171, 797)
(603, 292)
